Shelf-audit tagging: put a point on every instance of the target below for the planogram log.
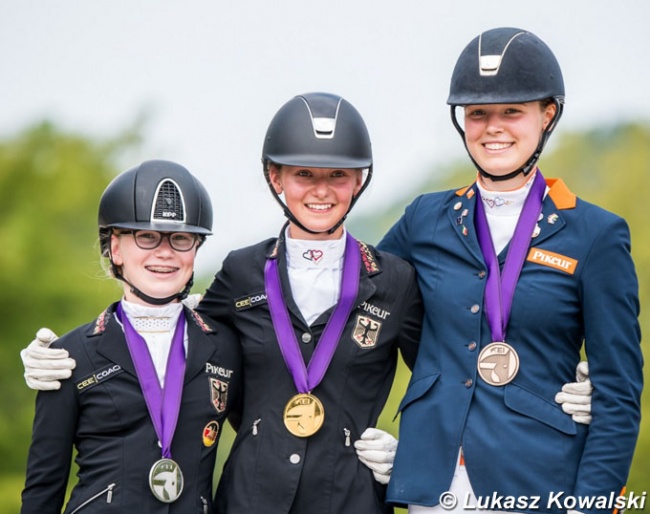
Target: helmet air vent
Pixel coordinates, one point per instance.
(324, 127)
(489, 65)
(323, 113)
(490, 62)
(168, 205)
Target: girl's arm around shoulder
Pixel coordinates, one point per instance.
(53, 433)
(231, 358)
(424, 211)
(404, 285)
(411, 316)
(238, 269)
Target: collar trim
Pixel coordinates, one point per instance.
(561, 195)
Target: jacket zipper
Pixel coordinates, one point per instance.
(255, 423)
(109, 498)
(346, 432)
(205, 505)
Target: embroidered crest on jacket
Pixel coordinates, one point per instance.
(366, 331)
(101, 321)
(199, 321)
(218, 394)
(368, 258)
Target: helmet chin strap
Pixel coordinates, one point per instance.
(525, 169)
(150, 299)
(529, 165)
(290, 216)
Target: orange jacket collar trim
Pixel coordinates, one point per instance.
(561, 195)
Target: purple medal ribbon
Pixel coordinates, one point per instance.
(500, 287)
(308, 377)
(163, 403)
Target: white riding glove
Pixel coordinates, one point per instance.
(575, 397)
(376, 449)
(45, 366)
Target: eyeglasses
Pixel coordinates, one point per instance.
(150, 239)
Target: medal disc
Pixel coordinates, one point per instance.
(166, 480)
(304, 415)
(498, 364)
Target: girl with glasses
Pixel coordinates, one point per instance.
(154, 380)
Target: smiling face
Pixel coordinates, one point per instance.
(159, 273)
(502, 137)
(317, 197)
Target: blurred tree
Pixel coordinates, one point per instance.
(50, 184)
(609, 166)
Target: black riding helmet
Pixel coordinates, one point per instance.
(155, 195)
(317, 130)
(507, 65)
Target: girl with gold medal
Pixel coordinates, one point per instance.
(320, 317)
(318, 361)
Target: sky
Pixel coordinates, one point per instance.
(209, 75)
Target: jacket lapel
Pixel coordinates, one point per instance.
(551, 220)
(367, 288)
(112, 343)
(280, 253)
(369, 267)
(460, 213)
(559, 198)
(201, 344)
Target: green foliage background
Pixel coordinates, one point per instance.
(50, 183)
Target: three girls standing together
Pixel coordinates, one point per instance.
(504, 281)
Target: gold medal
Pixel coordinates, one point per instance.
(166, 480)
(498, 364)
(304, 415)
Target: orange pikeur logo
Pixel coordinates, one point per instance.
(552, 260)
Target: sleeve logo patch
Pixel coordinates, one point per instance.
(98, 377)
(552, 260)
(246, 302)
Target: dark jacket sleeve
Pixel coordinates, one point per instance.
(397, 239)
(411, 320)
(217, 303)
(397, 242)
(609, 295)
(50, 453)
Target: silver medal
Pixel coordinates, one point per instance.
(166, 480)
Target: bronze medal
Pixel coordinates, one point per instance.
(304, 415)
(498, 363)
(166, 480)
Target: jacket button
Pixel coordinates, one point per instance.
(468, 383)
(482, 273)
(475, 308)
(294, 459)
(306, 337)
(471, 346)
